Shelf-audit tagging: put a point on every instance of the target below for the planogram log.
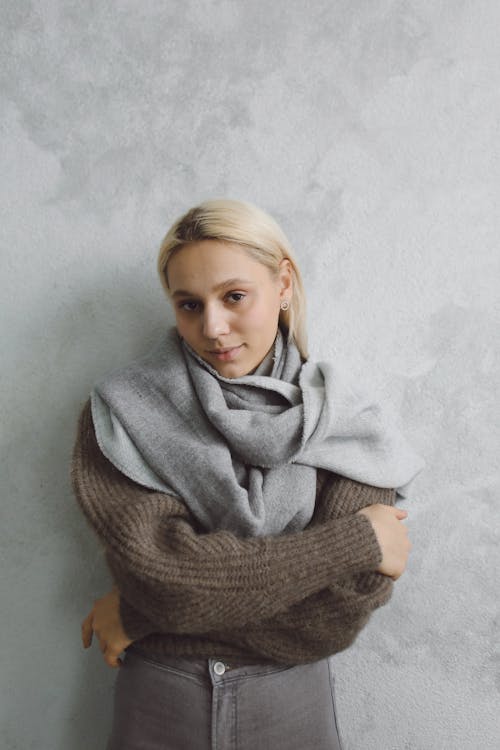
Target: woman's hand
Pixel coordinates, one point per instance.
(104, 620)
(392, 535)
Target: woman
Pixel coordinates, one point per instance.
(243, 495)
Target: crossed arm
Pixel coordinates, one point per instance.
(172, 577)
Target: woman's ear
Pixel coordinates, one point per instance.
(286, 278)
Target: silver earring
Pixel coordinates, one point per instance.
(285, 305)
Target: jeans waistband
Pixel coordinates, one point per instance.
(200, 665)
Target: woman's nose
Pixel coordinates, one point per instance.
(214, 323)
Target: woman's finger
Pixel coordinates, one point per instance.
(111, 658)
(87, 630)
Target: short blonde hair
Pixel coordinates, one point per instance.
(259, 235)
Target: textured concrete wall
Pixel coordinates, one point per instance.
(370, 130)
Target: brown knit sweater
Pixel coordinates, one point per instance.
(290, 598)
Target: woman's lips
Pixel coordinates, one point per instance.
(227, 355)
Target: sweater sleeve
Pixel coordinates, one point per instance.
(175, 577)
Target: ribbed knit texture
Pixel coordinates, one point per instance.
(290, 598)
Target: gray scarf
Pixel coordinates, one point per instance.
(242, 452)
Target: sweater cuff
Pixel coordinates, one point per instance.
(361, 545)
(135, 625)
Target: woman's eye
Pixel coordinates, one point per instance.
(191, 305)
(189, 309)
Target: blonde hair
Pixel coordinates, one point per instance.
(259, 235)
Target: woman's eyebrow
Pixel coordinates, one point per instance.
(229, 282)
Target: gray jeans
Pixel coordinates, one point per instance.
(171, 703)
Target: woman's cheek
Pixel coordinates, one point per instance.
(185, 327)
(257, 313)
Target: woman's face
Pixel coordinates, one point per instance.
(224, 299)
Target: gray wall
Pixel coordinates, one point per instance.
(370, 130)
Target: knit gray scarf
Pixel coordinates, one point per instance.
(242, 452)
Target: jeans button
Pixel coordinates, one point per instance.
(219, 668)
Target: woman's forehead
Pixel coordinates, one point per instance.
(217, 264)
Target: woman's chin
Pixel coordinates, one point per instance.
(230, 370)
(234, 369)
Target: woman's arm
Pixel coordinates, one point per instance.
(176, 578)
